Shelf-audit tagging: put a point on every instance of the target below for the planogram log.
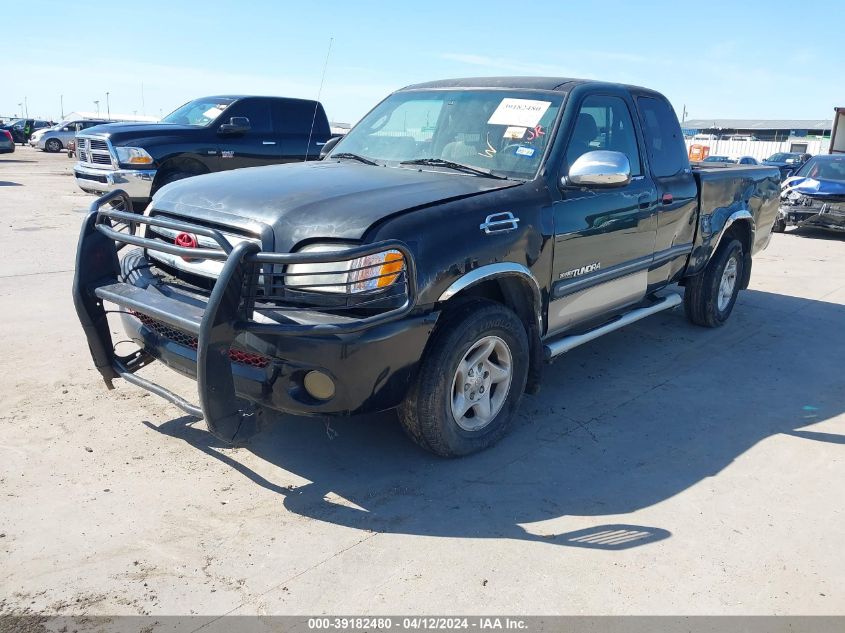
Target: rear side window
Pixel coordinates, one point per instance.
(295, 117)
(664, 141)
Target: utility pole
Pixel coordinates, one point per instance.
(143, 105)
(26, 107)
(97, 103)
(20, 105)
(684, 115)
(62, 105)
(108, 108)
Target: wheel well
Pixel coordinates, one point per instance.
(518, 295)
(181, 164)
(741, 230)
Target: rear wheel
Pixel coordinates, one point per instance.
(779, 226)
(470, 381)
(709, 297)
(53, 145)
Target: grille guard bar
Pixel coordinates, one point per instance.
(222, 320)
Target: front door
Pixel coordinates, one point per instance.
(255, 147)
(604, 237)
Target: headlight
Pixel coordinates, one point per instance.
(133, 156)
(362, 274)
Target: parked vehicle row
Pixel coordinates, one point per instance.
(56, 137)
(463, 233)
(22, 129)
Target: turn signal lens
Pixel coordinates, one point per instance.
(376, 271)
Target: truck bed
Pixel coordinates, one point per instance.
(725, 190)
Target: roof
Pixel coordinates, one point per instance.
(103, 116)
(757, 124)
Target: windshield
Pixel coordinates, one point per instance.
(504, 132)
(198, 112)
(824, 168)
(783, 157)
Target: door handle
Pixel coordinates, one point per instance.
(645, 201)
(667, 198)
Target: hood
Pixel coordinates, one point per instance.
(126, 133)
(332, 199)
(814, 188)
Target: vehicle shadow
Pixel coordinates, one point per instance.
(622, 423)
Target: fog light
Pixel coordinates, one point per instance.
(318, 385)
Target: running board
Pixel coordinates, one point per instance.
(563, 345)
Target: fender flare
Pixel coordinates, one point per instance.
(496, 271)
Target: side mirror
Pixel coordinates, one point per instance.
(599, 168)
(236, 125)
(329, 146)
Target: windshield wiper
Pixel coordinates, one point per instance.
(439, 162)
(352, 156)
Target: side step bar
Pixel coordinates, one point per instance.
(566, 343)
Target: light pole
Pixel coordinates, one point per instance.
(97, 103)
(26, 107)
(20, 105)
(108, 108)
(62, 105)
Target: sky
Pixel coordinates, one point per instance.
(719, 59)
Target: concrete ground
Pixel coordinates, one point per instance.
(664, 469)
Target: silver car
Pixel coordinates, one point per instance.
(54, 139)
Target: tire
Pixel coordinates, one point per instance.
(779, 226)
(484, 332)
(52, 145)
(168, 177)
(707, 302)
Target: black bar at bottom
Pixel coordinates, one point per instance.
(158, 390)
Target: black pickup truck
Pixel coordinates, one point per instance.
(205, 135)
(462, 234)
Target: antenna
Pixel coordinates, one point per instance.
(317, 105)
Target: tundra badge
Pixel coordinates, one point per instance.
(576, 272)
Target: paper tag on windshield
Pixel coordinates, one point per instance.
(212, 113)
(515, 133)
(519, 112)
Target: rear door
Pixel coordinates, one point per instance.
(677, 191)
(604, 237)
(296, 123)
(258, 146)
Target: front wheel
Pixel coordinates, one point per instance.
(709, 297)
(470, 381)
(779, 226)
(53, 145)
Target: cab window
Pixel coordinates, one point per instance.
(667, 153)
(604, 123)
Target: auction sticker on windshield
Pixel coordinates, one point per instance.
(519, 112)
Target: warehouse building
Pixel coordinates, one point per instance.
(758, 129)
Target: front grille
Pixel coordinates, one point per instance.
(93, 151)
(240, 356)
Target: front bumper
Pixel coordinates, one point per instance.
(219, 340)
(136, 183)
(822, 216)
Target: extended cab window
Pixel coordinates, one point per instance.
(604, 122)
(667, 152)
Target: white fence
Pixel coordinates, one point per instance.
(761, 149)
